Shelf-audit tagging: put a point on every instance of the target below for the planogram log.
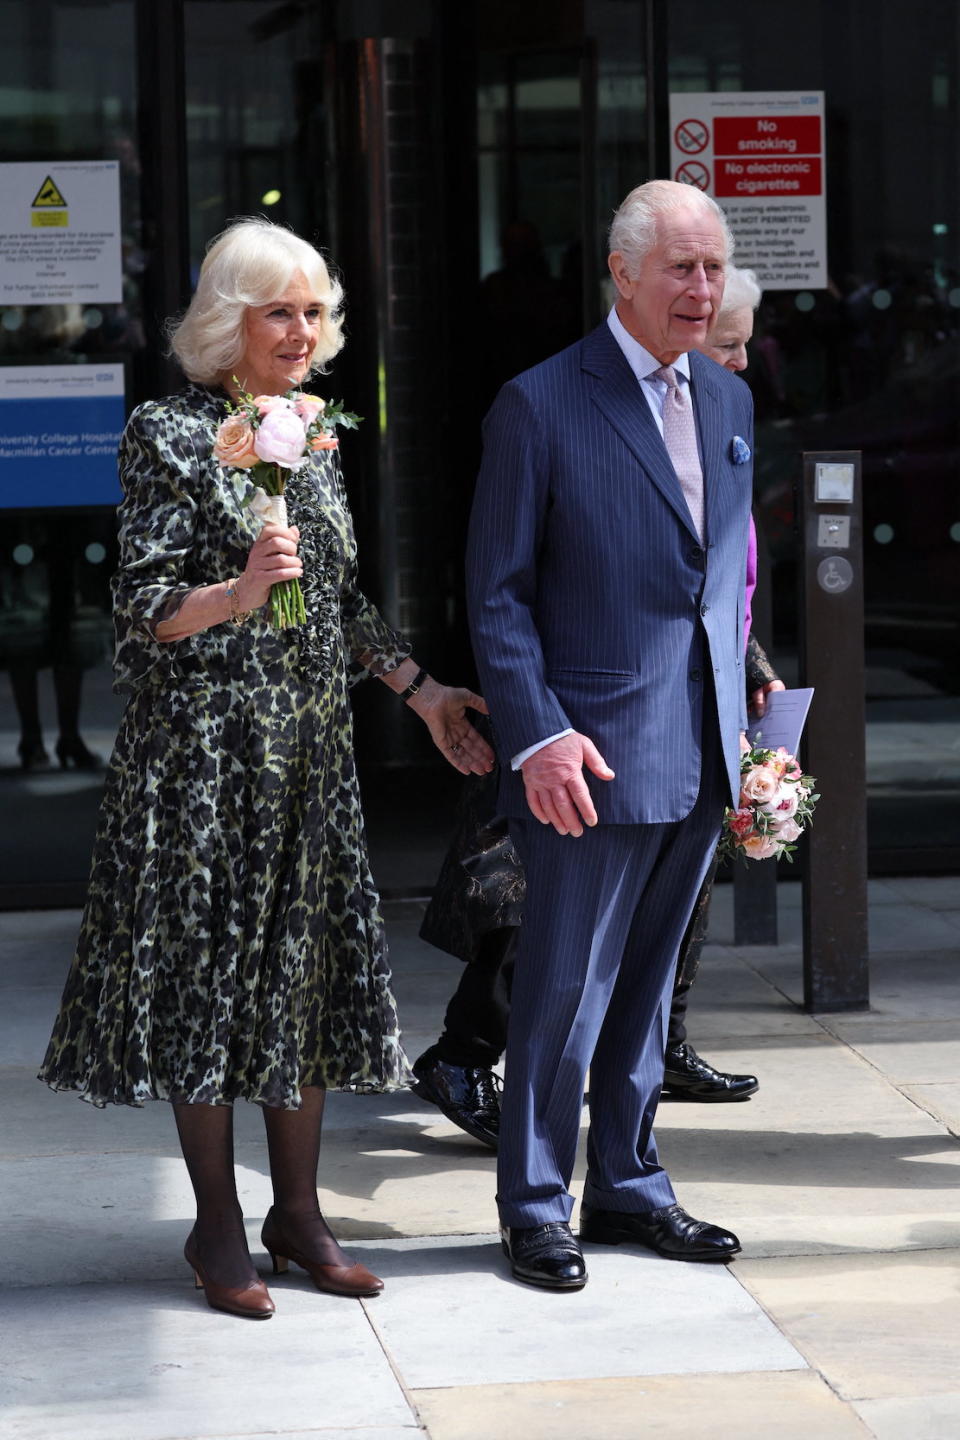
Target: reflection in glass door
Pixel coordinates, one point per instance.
(66, 79)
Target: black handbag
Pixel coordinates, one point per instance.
(481, 885)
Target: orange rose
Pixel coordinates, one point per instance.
(266, 403)
(761, 847)
(234, 443)
(325, 441)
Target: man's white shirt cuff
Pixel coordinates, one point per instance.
(518, 760)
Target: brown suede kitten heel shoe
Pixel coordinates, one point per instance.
(252, 1301)
(351, 1280)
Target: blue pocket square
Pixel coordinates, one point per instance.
(739, 450)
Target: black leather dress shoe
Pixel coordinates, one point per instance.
(691, 1078)
(671, 1232)
(470, 1098)
(546, 1255)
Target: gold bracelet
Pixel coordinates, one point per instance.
(238, 616)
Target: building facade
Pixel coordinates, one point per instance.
(460, 162)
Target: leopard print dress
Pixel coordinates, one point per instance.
(231, 944)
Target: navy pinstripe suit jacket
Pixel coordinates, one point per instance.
(591, 602)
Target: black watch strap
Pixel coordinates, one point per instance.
(414, 687)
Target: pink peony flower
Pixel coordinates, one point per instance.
(761, 847)
(234, 444)
(759, 785)
(787, 830)
(281, 438)
(308, 407)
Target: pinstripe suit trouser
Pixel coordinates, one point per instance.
(603, 920)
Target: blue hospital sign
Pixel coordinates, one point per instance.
(60, 426)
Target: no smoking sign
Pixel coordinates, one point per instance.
(691, 136)
(693, 172)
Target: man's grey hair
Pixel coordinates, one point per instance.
(633, 231)
(741, 289)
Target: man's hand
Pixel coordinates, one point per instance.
(758, 700)
(556, 790)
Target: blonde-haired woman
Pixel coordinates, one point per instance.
(231, 944)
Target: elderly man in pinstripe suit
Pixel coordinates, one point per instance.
(605, 583)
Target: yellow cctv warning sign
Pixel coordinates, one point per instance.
(49, 207)
(47, 195)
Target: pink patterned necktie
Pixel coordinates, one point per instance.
(680, 438)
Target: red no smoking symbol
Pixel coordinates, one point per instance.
(691, 172)
(691, 136)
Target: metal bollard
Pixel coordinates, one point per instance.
(835, 947)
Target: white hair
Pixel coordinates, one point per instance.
(741, 289)
(250, 263)
(633, 231)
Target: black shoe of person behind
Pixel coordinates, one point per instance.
(690, 1078)
(546, 1255)
(671, 1232)
(470, 1097)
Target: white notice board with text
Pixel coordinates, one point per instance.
(760, 154)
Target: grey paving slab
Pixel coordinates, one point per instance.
(731, 998)
(875, 1326)
(32, 938)
(886, 1228)
(938, 892)
(879, 892)
(39, 1121)
(845, 1153)
(413, 1431)
(809, 1084)
(118, 1216)
(827, 1156)
(918, 983)
(907, 1053)
(73, 1219)
(908, 929)
(940, 1101)
(28, 1015)
(106, 1362)
(451, 1315)
(919, 1417)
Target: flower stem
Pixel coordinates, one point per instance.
(286, 605)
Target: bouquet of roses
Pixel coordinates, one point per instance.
(776, 804)
(273, 436)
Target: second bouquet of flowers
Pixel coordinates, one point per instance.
(776, 804)
(273, 436)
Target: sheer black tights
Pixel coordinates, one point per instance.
(293, 1142)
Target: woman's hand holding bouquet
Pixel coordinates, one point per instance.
(273, 436)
